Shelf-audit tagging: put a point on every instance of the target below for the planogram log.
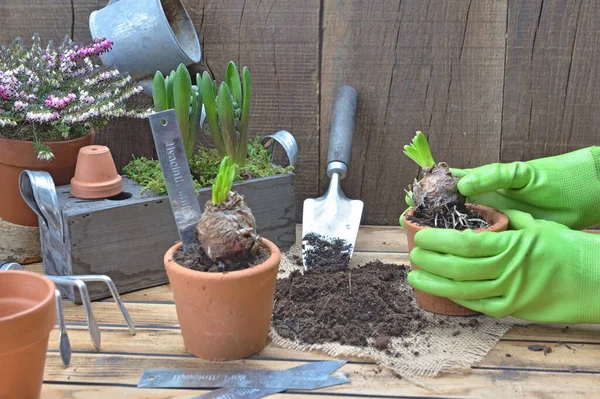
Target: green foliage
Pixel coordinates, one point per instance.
(419, 151)
(204, 166)
(228, 112)
(224, 181)
(177, 92)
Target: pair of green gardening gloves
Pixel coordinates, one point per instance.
(541, 269)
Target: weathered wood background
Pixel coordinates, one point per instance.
(486, 80)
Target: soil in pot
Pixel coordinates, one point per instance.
(18, 155)
(198, 260)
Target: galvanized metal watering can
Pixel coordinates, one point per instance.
(147, 36)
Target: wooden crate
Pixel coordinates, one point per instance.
(127, 239)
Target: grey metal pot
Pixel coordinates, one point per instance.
(147, 35)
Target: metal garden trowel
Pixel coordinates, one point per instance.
(333, 215)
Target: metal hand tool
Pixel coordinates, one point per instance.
(333, 215)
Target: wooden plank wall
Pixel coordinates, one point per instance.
(486, 80)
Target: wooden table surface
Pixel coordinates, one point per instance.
(572, 369)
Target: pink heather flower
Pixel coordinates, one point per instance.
(20, 105)
(98, 47)
(59, 103)
(9, 85)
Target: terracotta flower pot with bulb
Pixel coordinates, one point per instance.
(437, 203)
(224, 291)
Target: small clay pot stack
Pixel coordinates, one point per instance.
(96, 175)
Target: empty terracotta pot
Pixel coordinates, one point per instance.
(224, 316)
(17, 156)
(96, 175)
(435, 304)
(27, 315)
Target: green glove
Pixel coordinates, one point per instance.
(540, 271)
(564, 188)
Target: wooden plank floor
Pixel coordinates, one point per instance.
(569, 371)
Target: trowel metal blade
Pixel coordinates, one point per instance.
(331, 216)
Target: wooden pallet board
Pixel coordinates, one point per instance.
(571, 370)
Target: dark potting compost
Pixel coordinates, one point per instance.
(198, 260)
(350, 306)
(326, 253)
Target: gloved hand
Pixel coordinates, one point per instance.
(564, 188)
(540, 271)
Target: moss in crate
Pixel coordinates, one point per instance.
(204, 166)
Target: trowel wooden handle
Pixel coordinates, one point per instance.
(342, 129)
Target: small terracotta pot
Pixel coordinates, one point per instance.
(27, 315)
(96, 175)
(435, 304)
(224, 316)
(17, 156)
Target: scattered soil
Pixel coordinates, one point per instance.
(540, 348)
(327, 253)
(450, 218)
(198, 260)
(356, 307)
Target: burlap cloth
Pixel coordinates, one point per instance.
(446, 345)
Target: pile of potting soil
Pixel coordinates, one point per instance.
(352, 307)
(370, 312)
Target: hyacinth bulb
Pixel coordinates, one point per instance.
(228, 229)
(437, 190)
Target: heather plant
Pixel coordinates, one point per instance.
(58, 93)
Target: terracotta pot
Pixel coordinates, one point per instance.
(27, 315)
(18, 155)
(435, 304)
(96, 175)
(224, 316)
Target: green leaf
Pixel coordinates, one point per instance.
(195, 113)
(182, 92)
(169, 89)
(227, 119)
(159, 92)
(207, 89)
(224, 180)
(245, 119)
(419, 151)
(232, 78)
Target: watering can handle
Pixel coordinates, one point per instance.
(342, 129)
